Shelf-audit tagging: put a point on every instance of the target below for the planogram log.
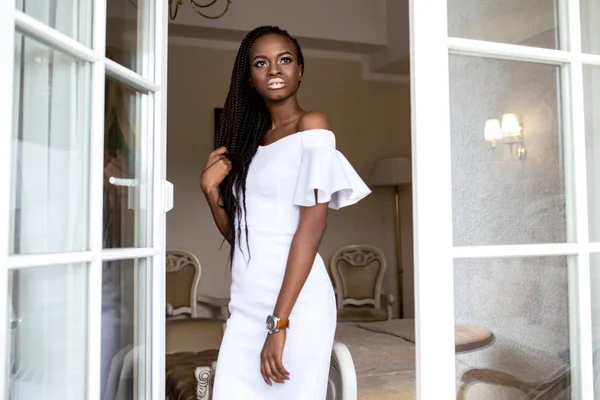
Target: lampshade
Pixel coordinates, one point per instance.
(390, 172)
(510, 125)
(492, 130)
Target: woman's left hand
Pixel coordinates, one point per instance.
(271, 366)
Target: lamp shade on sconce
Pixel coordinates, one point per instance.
(492, 130)
(510, 125)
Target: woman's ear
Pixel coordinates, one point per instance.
(300, 73)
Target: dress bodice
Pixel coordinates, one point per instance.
(284, 175)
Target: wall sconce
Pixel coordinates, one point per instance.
(509, 132)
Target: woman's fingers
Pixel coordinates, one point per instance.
(268, 373)
(220, 150)
(263, 372)
(274, 370)
(282, 371)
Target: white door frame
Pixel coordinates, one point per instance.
(152, 81)
(432, 201)
(7, 33)
(434, 286)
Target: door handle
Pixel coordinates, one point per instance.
(167, 196)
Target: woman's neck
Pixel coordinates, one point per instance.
(284, 112)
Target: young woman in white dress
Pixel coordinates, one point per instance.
(269, 183)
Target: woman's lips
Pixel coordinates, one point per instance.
(275, 83)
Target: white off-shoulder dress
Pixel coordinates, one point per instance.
(282, 178)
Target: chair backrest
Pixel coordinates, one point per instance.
(183, 277)
(357, 272)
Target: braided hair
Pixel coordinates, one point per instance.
(245, 120)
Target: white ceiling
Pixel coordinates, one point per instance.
(377, 30)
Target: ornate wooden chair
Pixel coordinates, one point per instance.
(183, 277)
(357, 272)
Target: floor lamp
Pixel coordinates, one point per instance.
(396, 172)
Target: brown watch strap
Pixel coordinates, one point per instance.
(283, 324)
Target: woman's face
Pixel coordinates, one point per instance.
(274, 69)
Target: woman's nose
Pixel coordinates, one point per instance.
(274, 69)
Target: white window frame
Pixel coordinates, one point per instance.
(434, 277)
(151, 81)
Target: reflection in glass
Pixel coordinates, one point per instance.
(523, 303)
(123, 328)
(48, 336)
(591, 88)
(130, 33)
(50, 153)
(125, 188)
(529, 23)
(501, 196)
(70, 17)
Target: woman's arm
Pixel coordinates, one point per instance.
(303, 250)
(216, 169)
(307, 239)
(218, 212)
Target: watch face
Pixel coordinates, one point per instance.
(271, 323)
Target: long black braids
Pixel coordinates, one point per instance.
(245, 120)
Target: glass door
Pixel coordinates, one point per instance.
(506, 143)
(83, 199)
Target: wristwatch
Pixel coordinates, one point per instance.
(274, 324)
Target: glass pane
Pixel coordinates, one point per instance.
(595, 278)
(70, 17)
(126, 201)
(512, 323)
(507, 155)
(50, 153)
(124, 299)
(528, 23)
(48, 340)
(591, 87)
(590, 31)
(130, 34)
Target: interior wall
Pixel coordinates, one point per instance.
(370, 119)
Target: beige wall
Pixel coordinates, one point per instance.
(370, 119)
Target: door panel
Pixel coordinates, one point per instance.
(48, 332)
(124, 314)
(524, 303)
(505, 21)
(127, 189)
(591, 84)
(590, 30)
(70, 17)
(50, 150)
(523, 206)
(84, 271)
(507, 190)
(130, 34)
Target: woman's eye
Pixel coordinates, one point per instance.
(286, 60)
(260, 64)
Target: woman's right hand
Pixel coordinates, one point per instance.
(215, 170)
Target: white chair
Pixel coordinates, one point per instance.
(357, 272)
(342, 384)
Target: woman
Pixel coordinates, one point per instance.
(269, 183)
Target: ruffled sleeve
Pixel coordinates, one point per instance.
(327, 170)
